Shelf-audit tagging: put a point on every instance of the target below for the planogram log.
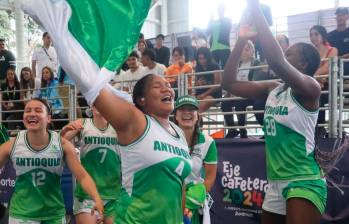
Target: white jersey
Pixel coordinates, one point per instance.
(37, 193)
(153, 171)
(204, 152)
(100, 157)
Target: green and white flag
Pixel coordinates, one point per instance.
(90, 36)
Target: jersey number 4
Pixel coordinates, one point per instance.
(38, 178)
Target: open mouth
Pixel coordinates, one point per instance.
(187, 117)
(32, 121)
(167, 99)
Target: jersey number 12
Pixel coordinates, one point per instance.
(38, 178)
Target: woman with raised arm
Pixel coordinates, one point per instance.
(204, 155)
(155, 157)
(38, 155)
(297, 192)
(100, 157)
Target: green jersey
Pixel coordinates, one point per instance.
(289, 135)
(204, 152)
(37, 194)
(153, 171)
(100, 157)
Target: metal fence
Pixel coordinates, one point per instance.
(213, 119)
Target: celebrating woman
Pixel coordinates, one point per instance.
(204, 155)
(37, 155)
(297, 193)
(100, 157)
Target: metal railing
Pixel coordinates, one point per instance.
(214, 117)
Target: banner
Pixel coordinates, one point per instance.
(241, 184)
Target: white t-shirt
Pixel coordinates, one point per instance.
(243, 74)
(159, 69)
(45, 58)
(128, 79)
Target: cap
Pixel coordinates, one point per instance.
(342, 10)
(187, 100)
(195, 196)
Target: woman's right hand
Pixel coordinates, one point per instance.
(73, 126)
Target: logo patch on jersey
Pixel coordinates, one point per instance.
(165, 147)
(44, 162)
(279, 110)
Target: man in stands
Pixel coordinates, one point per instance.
(7, 60)
(135, 72)
(219, 31)
(152, 67)
(162, 52)
(45, 56)
(339, 38)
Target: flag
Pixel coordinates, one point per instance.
(90, 36)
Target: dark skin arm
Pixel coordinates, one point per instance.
(126, 119)
(305, 88)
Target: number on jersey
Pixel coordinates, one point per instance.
(270, 126)
(38, 178)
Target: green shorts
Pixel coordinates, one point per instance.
(280, 191)
(86, 205)
(12, 220)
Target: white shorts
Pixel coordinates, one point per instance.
(86, 206)
(12, 220)
(274, 202)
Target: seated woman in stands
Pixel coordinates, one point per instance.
(10, 100)
(318, 36)
(297, 192)
(205, 63)
(28, 84)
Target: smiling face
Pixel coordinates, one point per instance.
(158, 97)
(35, 116)
(187, 116)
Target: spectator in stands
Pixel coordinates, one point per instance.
(267, 74)
(152, 67)
(247, 60)
(49, 92)
(10, 94)
(206, 63)
(318, 36)
(142, 45)
(179, 67)
(219, 32)
(7, 60)
(29, 85)
(162, 52)
(339, 38)
(45, 56)
(135, 72)
(148, 42)
(283, 41)
(198, 39)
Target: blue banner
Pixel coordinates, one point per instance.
(241, 184)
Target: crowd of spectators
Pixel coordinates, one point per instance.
(209, 53)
